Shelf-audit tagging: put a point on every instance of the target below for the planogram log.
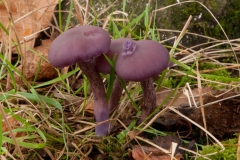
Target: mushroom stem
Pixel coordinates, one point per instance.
(101, 111)
(116, 94)
(149, 99)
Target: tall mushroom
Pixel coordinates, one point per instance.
(79, 45)
(140, 61)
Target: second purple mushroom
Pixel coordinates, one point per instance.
(140, 61)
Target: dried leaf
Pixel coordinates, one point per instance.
(151, 153)
(89, 108)
(181, 99)
(13, 123)
(45, 11)
(28, 17)
(32, 60)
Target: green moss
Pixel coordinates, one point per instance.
(229, 20)
(216, 75)
(226, 12)
(228, 153)
(210, 66)
(112, 148)
(173, 82)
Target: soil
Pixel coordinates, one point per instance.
(222, 116)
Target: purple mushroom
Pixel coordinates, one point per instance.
(104, 67)
(140, 61)
(79, 45)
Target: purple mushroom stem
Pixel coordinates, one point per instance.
(101, 111)
(116, 94)
(149, 99)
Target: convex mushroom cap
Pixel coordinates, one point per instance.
(78, 44)
(140, 60)
(116, 47)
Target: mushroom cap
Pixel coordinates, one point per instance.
(101, 64)
(141, 60)
(78, 44)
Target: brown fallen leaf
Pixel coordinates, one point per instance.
(27, 18)
(90, 108)
(13, 123)
(151, 153)
(29, 69)
(23, 19)
(181, 99)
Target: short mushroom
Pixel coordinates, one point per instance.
(140, 61)
(103, 66)
(80, 45)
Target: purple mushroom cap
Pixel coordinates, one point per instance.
(101, 64)
(141, 60)
(78, 44)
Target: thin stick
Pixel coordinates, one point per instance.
(9, 56)
(10, 131)
(153, 144)
(86, 11)
(79, 14)
(201, 99)
(214, 138)
(238, 148)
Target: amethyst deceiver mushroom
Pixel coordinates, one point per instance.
(79, 45)
(103, 66)
(140, 61)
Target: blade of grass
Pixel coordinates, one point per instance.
(39, 98)
(78, 90)
(57, 79)
(60, 15)
(112, 76)
(4, 29)
(13, 68)
(116, 32)
(37, 71)
(131, 24)
(160, 80)
(1, 132)
(28, 128)
(69, 16)
(122, 135)
(13, 137)
(11, 76)
(25, 144)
